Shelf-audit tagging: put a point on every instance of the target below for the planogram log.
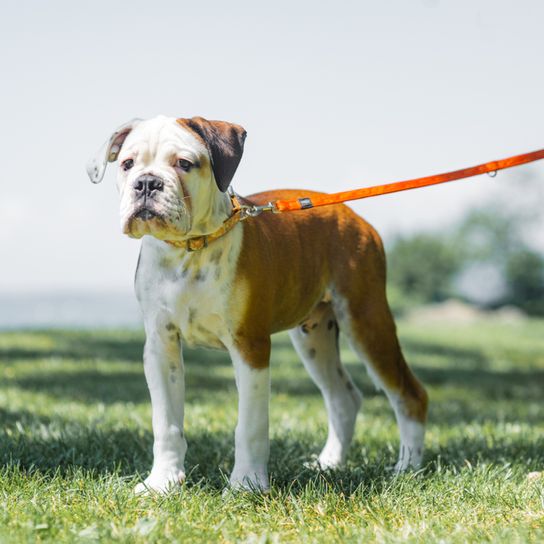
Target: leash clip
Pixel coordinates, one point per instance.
(254, 211)
(247, 211)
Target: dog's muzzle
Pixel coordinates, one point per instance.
(147, 189)
(147, 185)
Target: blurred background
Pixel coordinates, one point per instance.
(333, 96)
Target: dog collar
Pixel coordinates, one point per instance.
(200, 242)
(240, 212)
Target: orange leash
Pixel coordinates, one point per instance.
(336, 198)
(240, 212)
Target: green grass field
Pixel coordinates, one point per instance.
(75, 437)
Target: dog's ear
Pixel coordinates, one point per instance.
(225, 143)
(96, 166)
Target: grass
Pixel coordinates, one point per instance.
(75, 437)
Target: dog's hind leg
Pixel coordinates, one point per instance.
(316, 342)
(369, 325)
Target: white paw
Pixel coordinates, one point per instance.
(324, 462)
(409, 458)
(330, 460)
(255, 480)
(160, 482)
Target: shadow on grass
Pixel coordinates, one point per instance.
(508, 384)
(64, 444)
(92, 386)
(10, 419)
(79, 345)
(88, 384)
(63, 448)
(459, 356)
(125, 346)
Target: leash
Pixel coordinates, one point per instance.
(304, 203)
(240, 211)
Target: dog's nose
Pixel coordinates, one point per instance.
(147, 184)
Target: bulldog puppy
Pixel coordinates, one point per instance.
(205, 278)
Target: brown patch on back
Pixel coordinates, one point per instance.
(289, 262)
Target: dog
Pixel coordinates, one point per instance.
(206, 278)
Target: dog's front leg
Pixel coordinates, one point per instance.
(251, 437)
(164, 372)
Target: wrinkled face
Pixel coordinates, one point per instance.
(173, 174)
(163, 169)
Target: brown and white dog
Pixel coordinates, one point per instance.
(312, 272)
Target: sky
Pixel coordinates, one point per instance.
(333, 96)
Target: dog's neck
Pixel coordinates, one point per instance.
(177, 258)
(225, 213)
(211, 216)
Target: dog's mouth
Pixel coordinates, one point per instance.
(148, 218)
(145, 220)
(145, 214)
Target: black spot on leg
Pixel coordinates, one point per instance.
(304, 328)
(339, 371)
(314, 326)
(200, 275)
(170, 327)
(216, 256)
(330, 324)
(173, 370)
(312, 353)
(192, 315)
(349, 385)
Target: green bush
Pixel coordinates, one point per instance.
(423, 267)
(525, 276)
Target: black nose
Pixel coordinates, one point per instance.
(147, 184)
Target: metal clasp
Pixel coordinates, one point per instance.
(251, 211)
(254, 211)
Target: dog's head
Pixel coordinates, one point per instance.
(172, 175)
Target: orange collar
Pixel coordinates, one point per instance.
(200, 242)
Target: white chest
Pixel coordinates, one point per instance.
(190, 291)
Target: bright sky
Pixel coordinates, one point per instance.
(333, 96)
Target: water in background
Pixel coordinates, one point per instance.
(69, 310)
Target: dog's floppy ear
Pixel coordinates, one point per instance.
(96, 166)
(225, 143)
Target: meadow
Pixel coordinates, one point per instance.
(75, 437)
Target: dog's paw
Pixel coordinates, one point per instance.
(406, 463)
(255, 481)
(330, 459)
(323, 463)
(160, 482)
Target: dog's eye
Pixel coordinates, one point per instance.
(184, 164)
(127, 165)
